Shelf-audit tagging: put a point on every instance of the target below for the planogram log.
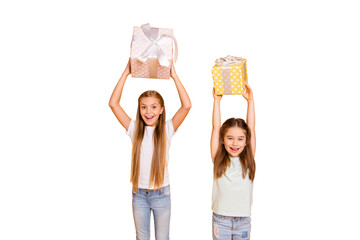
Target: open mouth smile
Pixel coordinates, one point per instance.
(149, 117)
(234, 149)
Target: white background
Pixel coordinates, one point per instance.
(65, 159)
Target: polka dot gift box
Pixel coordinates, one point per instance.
(229, 75)
(152, 51)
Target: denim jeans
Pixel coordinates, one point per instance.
(231, 228)
(157, 201)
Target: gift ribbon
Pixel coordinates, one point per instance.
(154, 50)
(225, 64)
(229, 60)
(153, 66)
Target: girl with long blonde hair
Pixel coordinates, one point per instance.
(151, 135)
(232, 151)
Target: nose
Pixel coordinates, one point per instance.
(148, 110)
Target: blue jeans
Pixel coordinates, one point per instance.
(158, 201)
(231, 228)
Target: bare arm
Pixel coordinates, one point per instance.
(180, 115)
(114, 102)
(216, 124)
(250, 117)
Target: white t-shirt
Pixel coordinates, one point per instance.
(146, 153)
(232, 194)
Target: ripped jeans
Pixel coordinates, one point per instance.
(231, 228)
(156, 201)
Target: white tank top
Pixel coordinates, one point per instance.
(232, 194)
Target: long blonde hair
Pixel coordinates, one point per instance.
(246, 158)
(158, 162)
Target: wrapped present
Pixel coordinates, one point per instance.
(229, 75)
(152, 52)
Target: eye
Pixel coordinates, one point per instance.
(154, 107)
(143, 107)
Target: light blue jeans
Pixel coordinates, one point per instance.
(231, 228)
(157, 201)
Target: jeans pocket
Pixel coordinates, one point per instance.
(246, 220)
(217, 218)
(135, 193)
(165, 192)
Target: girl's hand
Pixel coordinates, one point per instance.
(250, 116)
(127, 70)
(172, 70)
(216, 125)
(216, 97)
(180, 115)
(114, 102)
(248, 95)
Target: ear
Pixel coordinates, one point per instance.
(162, 109)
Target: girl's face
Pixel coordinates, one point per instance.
(234, 141)
(150, 110)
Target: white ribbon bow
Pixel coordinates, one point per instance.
(154, 49)
(228, 60)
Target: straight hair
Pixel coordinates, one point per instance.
(158, 162)
(246, 158)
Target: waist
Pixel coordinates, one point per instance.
(153, 192)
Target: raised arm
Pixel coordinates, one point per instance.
(114, 102)
(250, 117)
(180, 115)
(216, 124)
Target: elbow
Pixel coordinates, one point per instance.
(187, 106)
(112, 104)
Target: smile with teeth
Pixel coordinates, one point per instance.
(234, 149)
(149, 117)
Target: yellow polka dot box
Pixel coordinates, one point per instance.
(229, 75)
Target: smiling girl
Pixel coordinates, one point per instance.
(151, 135)
(232, 151)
